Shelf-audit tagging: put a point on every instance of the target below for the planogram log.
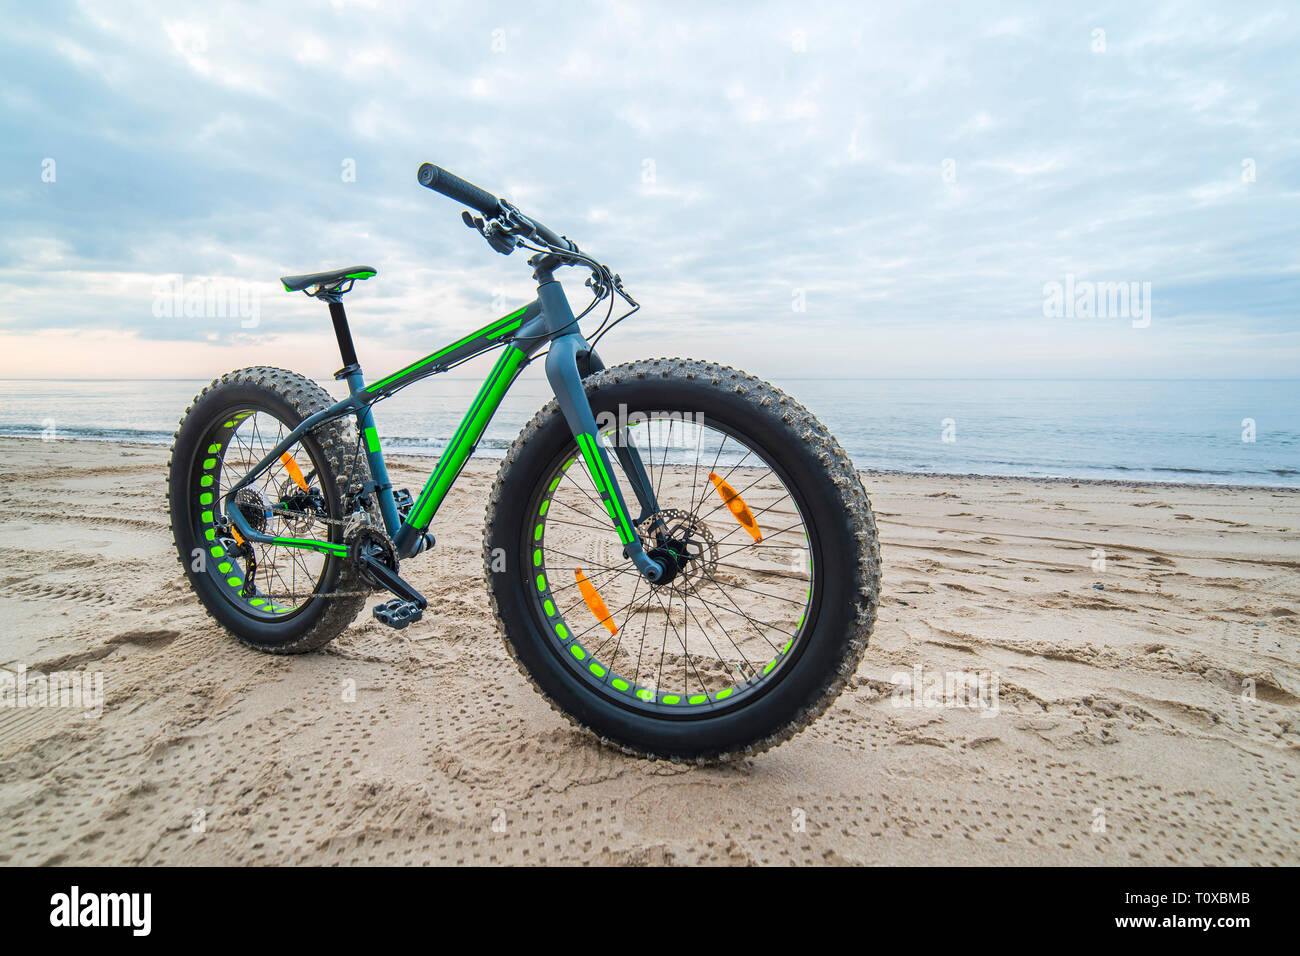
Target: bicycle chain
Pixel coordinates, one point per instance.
(709, 546)
(342, 522)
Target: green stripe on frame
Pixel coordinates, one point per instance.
(372, 439)
(494, 331)
(323, 546)
(621, 518)
(588, 456)
(600, 478)
(445, 458)
(467, 435)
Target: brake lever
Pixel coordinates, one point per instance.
(618, 287)
(499, 238)
(598, 288)
(494, 231)
(517, 221)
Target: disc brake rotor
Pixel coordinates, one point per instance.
(679, 537)
(298, 521)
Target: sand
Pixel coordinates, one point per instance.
(1146, 712)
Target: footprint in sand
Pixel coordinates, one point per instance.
(149, 639)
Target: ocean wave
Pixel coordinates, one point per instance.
(871, 457)
(87, 433)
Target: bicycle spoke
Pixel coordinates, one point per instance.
(731, 605)
(727, 633)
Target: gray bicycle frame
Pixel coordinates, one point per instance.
(547, 319)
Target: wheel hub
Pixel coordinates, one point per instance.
(682, 544)
(299, 509)
(672, 557)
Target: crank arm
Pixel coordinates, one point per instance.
(392, 581)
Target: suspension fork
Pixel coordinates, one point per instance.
(628, 455)
(565, 360)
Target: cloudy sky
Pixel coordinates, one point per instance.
(797, 188)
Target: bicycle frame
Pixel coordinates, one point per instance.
(547, 319)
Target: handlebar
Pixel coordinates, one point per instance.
(507, 229)
(546, 235)
(464, 192)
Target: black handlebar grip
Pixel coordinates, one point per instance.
(453, 187)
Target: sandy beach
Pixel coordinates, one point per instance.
(1142, 642)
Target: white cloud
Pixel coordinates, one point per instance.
(790, 150)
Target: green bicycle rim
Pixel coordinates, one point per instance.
(584, 648)
(238, 428)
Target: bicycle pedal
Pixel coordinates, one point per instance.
(403, 501)
(398, 613)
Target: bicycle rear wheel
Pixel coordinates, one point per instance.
(279, 599)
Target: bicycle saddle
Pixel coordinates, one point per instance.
(326, 279)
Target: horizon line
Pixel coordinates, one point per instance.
(787, 378)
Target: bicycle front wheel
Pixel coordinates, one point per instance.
(770, 543)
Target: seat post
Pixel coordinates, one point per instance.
(343, 334)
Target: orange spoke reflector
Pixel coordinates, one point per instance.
(294, 471)
(736, 505)
(594, 602)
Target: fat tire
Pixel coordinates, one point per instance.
(840, 510)
(292, 398)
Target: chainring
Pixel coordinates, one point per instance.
(363, 538)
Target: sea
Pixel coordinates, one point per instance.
(1216, 431)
